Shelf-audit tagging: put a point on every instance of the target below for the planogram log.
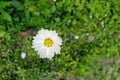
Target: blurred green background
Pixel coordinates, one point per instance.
(90, 30)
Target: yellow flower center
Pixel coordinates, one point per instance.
(48, 42)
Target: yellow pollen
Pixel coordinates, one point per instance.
(48, 42)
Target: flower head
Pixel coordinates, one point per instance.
(76, 37)
(23, 55)
(54, 0)
(47, 43)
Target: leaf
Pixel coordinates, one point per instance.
(17, 5)
(27, 15)
(4, 4)
(26, 33)
(34, 10)
(1, 41)
(2, 33)
(6, 16)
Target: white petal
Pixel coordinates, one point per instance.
(43, 33)
(37, 46)
(56, 49)
(53, 33)
(35, 42)
(50, 54)
(46, 53)
(43, 52)
(39, 37)
(57, 41)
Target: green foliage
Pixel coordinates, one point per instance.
(101, 68)
(95, 22)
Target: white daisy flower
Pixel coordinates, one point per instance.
(76, 37)
(54, 0)
(47, 43)
(23, 55)
(90, 16)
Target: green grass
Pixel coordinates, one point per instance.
(94, 55)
